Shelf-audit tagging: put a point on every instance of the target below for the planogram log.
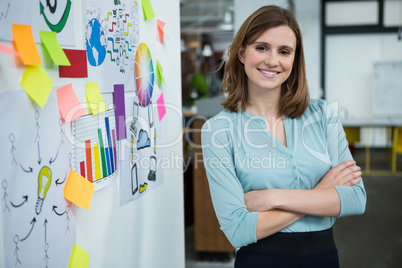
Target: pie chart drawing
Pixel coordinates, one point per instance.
(144, 71)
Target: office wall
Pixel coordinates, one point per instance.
(149, 231)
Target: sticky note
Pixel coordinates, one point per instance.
(79, 258)
(78, 190)
(37, 84)
(70, 107)
(159, 74)
(4, 49)
(25, 44)
(147, 9)
(78, 61)
(57, 54)
(160, 27)
(94, 98)
(161, 107)
(120, 111)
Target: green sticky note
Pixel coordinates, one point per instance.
(79, 258)
(94, 98)
(159, 75)
(37, 84)
(147, 9)
(53, 47)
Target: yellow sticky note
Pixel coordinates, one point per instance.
(79, 258)
(25, 44)
(94, 98)
(147, 9)
(159, 75)
(37, 84)
(78, 190)
(57, 54)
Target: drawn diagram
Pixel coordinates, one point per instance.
(46, 15)
(55, 13)
(4, 13)
(32, 184)
(95, 151)
(111, 37)
(140, 171)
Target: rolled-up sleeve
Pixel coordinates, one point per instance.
(238, 224)
(352, 198)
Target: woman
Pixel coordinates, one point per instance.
(278, 164)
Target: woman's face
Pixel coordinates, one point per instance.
(268, 61)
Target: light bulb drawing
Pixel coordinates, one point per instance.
(44, 181)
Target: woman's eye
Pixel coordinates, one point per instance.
(261, 48)
(284, 52)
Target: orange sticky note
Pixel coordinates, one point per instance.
(70, 107)
(25, 44)
(37, 84)
(78, 190)
(7, 50)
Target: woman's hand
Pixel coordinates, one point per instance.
(258, 200)
(344, 174)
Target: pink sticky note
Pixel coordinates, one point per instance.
(4, 49)
(160, 25)
(161, 107)
(70, 107)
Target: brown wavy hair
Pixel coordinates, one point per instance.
(295, 97)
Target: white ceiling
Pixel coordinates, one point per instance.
(206, 16)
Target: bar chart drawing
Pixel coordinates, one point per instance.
(95, 153)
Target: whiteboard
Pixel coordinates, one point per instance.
(387, 93)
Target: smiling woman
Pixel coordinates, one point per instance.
(281, 214)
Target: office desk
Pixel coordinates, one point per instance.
(368, 123)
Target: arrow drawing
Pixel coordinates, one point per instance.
(30, 231)
(25, 197)
(39, 158)
(45, 224)
(29, 170)
(59, 214)
(54, 159)
(57, 181)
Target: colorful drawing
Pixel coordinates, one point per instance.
(31, 185)
(43, 15)
(144, 72)
(111, 36)
(95, 152)
(95, 43)
(140, 168)
(55, 15)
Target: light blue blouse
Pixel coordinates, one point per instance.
(241, 155)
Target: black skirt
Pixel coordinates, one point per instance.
(307, 249)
